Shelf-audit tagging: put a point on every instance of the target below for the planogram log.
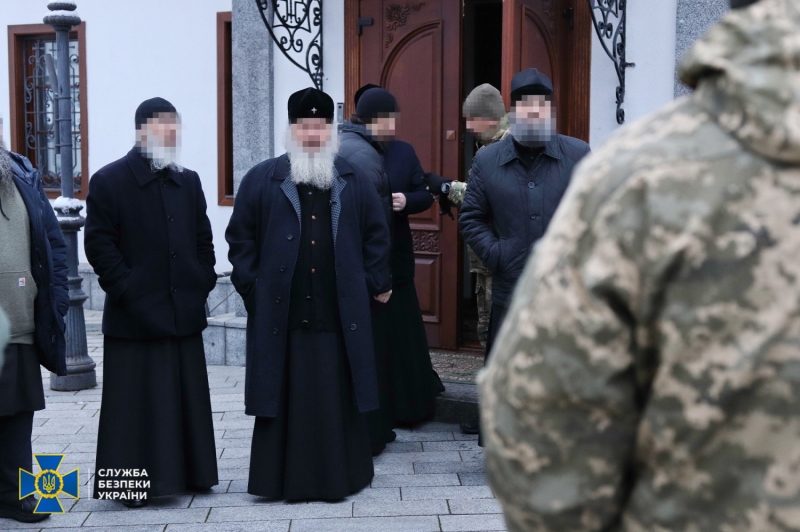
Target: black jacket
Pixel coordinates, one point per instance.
(405, 176)
(264, 239)
(366, 156)
(48, 267)
(149, 241)
(507, 209)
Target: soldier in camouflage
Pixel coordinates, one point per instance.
(648, 376)
(486, 118)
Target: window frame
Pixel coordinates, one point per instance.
(224, 110)
(16, 35)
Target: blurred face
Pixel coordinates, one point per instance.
(533, 120)
(161, 130)
(483, 128)
(311, 134)
(384, 127)
(533, 109)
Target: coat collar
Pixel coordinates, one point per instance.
(142, 171)
(508, 151)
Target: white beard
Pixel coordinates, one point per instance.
(315, 169)
(161, 156)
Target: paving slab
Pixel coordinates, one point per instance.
(390, 509)
(368, 524)
(472, 523)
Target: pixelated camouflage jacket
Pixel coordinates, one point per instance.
(647, 378)
(459, 189)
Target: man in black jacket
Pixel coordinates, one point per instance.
(515, 186)
(149, 241)
(310, 249)
(34, 293)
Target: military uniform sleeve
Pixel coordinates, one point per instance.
(560, 400)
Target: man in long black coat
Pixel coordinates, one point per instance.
(149, 240)
(309, 245)
(34, 293)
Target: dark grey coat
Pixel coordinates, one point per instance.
(357, 148)
(507, 209)
(264, 239)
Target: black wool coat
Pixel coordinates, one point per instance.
(149, 241)
(405, 176)
(264, 239)
(48, 267)
(508, 208)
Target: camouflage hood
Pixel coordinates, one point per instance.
(747, 74)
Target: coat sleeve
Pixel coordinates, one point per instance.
(58, 249)
(418, 197)
(563, 390)
(242, 234)
(101, 241)
(377, 244)
(205, 237)
(473, 221)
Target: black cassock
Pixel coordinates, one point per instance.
(318, 446)
(149, 240)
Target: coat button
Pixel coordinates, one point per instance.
(534, 216)
(174, 255)
(163, 183)
(275, 330)
(313, 270)
(289, 236)
(40, 264)
(174, 290)
(308, 297)
(531, 184)
(353, 327)
(313, 217)
(278, 300)
(171, 219)
(313, 243)
(283, 268)
(305, 322)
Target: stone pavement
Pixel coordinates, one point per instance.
(430, 479)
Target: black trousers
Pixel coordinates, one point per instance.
(15, 452)
(496, 319)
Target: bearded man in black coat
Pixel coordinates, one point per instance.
(149, 241)
(309, 245)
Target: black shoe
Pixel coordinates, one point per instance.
(22, 511)
(471, 427)
(135, 503)
(392, 437)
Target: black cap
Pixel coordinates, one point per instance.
(362, 90)
(530, 81)
(150, 108)
(374, 102)
(736, 4)
(310, 103)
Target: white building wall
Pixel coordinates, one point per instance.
(135, 51)
(650, 84)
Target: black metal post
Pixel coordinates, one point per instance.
(80, 367)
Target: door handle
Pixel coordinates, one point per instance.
(364, 21)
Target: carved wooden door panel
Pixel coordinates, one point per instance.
(413, 49)
(553, 36)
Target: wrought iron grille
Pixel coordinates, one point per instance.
(605, 13)
(296, 27)
(41, 110)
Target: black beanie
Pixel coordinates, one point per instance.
(374, 102)
(310, 103)
(150, 108)
(362, 90)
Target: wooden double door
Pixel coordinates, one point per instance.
(414, 49)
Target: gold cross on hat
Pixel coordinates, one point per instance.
(314, 110)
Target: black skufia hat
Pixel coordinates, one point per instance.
(374, 102)
(530, 81)
(310, 103)
(362, 90)
(150, 108)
